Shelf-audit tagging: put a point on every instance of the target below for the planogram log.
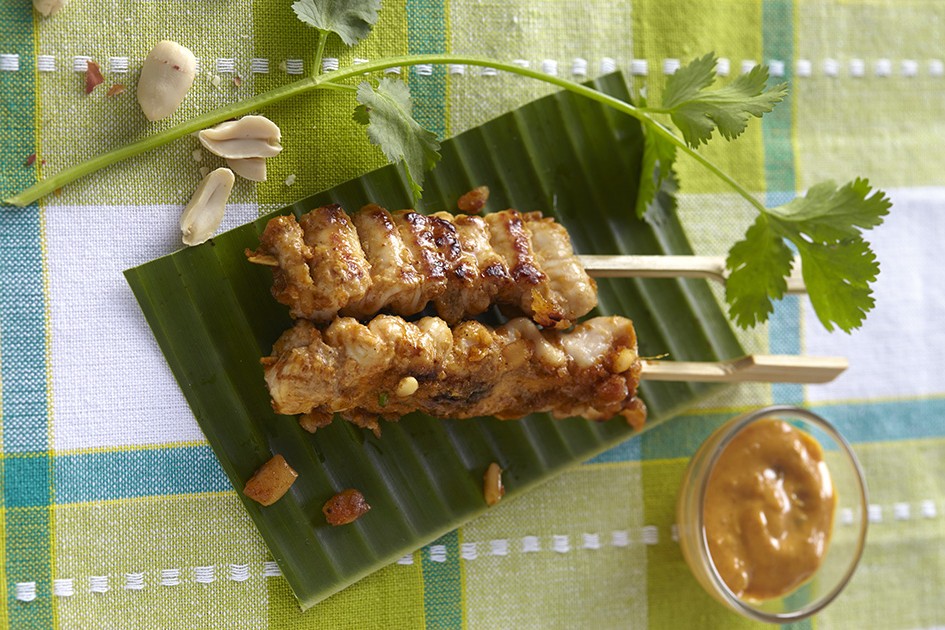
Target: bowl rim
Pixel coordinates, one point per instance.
(728, 432)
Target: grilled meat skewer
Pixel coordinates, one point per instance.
(391, 367)
(328, 263)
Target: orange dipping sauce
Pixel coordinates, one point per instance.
(768, 510)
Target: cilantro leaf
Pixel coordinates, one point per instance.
(697, 111)
(826, 227)
(831, 213)
(351, 20)
(659, 154)
(758, 266)
(387, 113)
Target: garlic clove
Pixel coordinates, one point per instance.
(253, 169)
(204, 213)
(166, 76)
(249, 137)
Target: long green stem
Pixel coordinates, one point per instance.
(330, 80)
(320, 50)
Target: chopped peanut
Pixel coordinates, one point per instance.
(271, 481)
(345, 507)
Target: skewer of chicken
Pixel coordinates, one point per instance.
(327, 263)
(391, 367)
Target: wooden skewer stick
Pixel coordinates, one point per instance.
(757, 368)
(710, 267)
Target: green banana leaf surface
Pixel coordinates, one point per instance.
(214, 317)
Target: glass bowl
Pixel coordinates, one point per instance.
(849, 519)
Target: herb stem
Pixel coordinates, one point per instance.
(319, 51)
(330, 80)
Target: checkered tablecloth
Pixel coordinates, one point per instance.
(116, 514)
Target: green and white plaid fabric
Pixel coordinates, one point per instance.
(115, 513)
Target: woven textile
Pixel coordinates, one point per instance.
(116, 513)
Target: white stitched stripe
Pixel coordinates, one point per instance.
(456, 68)
(9, 63)
(26, 591)
(846, 516)
(928, 509)
(225, 65)
(134, 581)
(620, 538)
(98, 583)
(651, 535)
(294, 66)
(405, 559)
(204, 575)
(747, 65)
(170, 577)
(910, 67)
(608, 65)
(883, 67)
(875, 513)
(902, 511)
(936, 68)
(723, 67)
(670, 65)
(524, 63)
(238, 572)
(499, 547)
(591, 541)
(857, 68)
(549, 66)
(271, 569)
(63, 587)
(329, 64)
(803, 68)
(530, 544)
(488, 72)
(579, 67)
(258, 65)
(45, 63)
(776, 68)
(80, 63)
(423, 69)
(394, 70)
(468, 551)
(438, 553)
(561, 543)
(831, 67)
(118, 65)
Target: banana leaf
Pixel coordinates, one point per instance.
(213, 316)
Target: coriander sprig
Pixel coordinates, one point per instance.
(825, 227)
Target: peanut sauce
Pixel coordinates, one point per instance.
(769, 510)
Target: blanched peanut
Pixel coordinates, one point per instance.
(48, 7)
(166, 76)
(204, 213)
(248, 137)
(253, 169)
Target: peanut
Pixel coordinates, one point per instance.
(166, 76)
(248, 137)
(253, 169)
(48, 7)
(204, 213)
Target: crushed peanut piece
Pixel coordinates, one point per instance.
(271, 481)
(345, 507)
(406, 387)
(115, 90)
(492, 488)
(473, 201)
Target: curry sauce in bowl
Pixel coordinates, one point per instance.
(772, 514)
